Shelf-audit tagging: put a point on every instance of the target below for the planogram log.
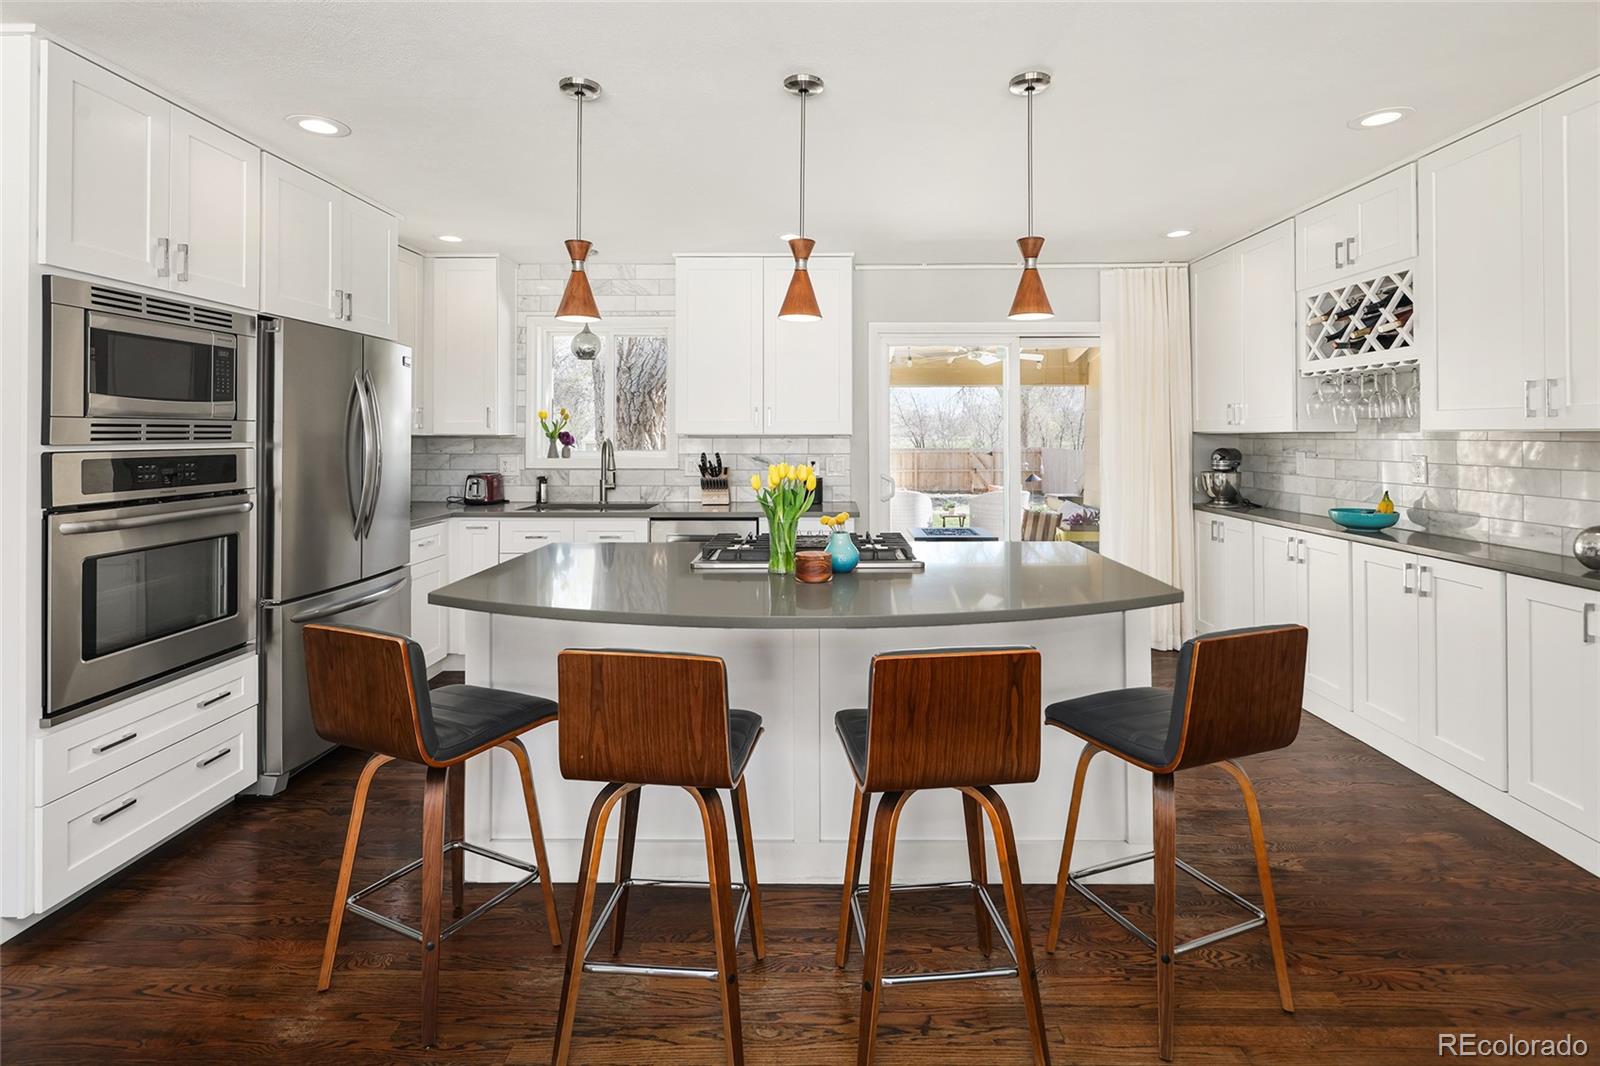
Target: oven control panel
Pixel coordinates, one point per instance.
(75, 479)
(222, 375)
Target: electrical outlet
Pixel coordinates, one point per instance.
(1419, 469)
(509, 465)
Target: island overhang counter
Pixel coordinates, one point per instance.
(796, 654)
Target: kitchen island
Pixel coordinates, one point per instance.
(796, 654)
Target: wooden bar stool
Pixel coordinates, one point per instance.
(635, 718)
(1237, 693)
(369, 690)
(960, 718)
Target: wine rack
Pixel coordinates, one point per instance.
(1362, 325)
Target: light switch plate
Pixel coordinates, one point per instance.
(1419, 469)
(508, 464)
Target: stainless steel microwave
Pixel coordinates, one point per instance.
(122, 367)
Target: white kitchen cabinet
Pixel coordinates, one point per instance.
(610, 530)
(518, 536)
(470, 346)
(1388, 676)
(326, 256)
(1225, 572)
(1480, 332)
(136, 189)
(1245, 336)
(1368, 227)
(429, 626)
(409, 268)
(474, 545)
(738, 370)
(1570, 142)
(1553, 682)
(1462, 612)
(1304, 579)
(807, 370)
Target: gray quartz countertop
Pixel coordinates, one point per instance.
(651, 584)
(426, 512)
(1541, 565)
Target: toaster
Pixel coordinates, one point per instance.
(484, 488)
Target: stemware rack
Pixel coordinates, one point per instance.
(1368, 324)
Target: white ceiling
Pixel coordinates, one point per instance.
(1215, 117)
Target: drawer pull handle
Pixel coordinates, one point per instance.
(218, 698)
(1588, 633)
(102, 749)
(209, 759)
(113, 812)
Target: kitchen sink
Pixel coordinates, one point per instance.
(556, 507)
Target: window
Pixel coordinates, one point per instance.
(624, 393)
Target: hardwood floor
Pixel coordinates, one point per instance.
(1406, 913)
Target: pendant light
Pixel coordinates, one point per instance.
(577, 301)
(1030, 303)
(800, 302)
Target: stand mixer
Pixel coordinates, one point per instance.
(1220, 484)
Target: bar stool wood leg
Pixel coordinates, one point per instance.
(723, 918)
(1269, 902)
(627, 830)
(852, 873)
(594, 837)
(520, 753)
(434, 801)
(341, 891)
(457, 830)
(884, 827)
(1165, 819)
(747, 865)
(978, 865)
(1005, 848)
(1053, 937)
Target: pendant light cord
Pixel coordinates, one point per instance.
(803, 95)
(578, 226)
(1029, 98)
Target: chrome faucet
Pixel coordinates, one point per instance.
(608, 469)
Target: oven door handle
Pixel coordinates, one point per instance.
(106, 525)
(348, 605)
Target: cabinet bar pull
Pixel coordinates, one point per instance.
(113, 744)
(1288, 550)
(1405, 580)
(338, 303)
(183, 270)
(218, 698)
(1528, 409)
(209, 759)
(1349, 251)
(1336, 246)
(1300, 552)
(488, 416)
(164, 247)
(113, 812)
(349, 306)
(1550, 397)
(1588, 633)
(1422, 572)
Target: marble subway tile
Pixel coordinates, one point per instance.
(1562, 455)
(1523, 480)
(1489, 504)
(1311, 466)
(1578, 485)
(1529, 535)
(1356, 469)
(1489, 453)
(1557, 512)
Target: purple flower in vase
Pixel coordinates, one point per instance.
(567, 439)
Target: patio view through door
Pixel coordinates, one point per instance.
(986, 430)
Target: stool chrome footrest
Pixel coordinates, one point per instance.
(646, 969)
(999, 921)
(1259, 916)
(352, 902)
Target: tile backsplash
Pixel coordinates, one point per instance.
(1520, 489)
(440, 464)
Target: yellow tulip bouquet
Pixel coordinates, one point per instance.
(787, 495)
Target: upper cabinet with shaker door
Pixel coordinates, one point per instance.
(1218, 359)
(326, 256)
(1570, 138)
(738, 369)
(1245, 355)
(409, 301)
(470, 343)
(137, 190)
(1354, 234)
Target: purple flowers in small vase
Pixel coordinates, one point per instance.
(567, 441)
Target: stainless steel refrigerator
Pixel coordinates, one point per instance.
(335, 489)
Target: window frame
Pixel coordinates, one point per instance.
(540, 331)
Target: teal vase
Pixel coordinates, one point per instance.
(844, 552)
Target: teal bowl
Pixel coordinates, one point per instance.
(1362, 518)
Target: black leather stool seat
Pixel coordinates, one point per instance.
(851, 725)
(743, 728)
(465, 717)
(1136, 722)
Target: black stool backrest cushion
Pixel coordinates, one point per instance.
(947, 717)
(647, 718)
(1237, 692)
(369, 690)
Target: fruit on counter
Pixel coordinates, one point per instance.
(1386, 505)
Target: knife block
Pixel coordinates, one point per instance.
(714, 492)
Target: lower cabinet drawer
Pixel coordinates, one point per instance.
(87, 834)
(427, 543)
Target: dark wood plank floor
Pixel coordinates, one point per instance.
(1406, 913)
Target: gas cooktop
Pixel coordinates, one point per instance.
(732, 551)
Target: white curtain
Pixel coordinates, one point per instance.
(1146, 518)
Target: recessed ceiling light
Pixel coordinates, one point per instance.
(322, 127)
(1176, 233)
(1381, 117)
(449, 238)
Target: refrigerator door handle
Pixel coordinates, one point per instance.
(377, 452)
(342, 606)
(355, 408)
(369, 484)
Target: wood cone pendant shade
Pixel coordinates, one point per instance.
(1030, 303)
(800, 301)
(577, 300)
